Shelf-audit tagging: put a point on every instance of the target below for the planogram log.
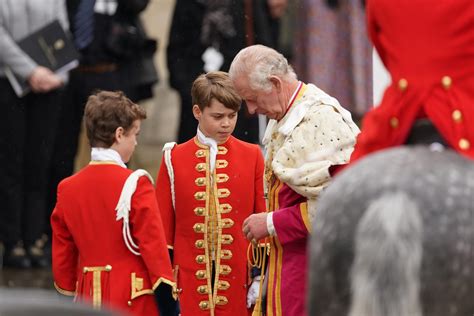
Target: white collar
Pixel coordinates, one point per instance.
(106, 154)
(212, 147)
(314, 97)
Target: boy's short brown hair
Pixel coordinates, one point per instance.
(105, 112)
(215, 85)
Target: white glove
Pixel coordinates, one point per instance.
(254, 289)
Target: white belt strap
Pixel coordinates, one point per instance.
(169, 166)
(124, 206)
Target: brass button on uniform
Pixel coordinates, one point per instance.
(201, 274)
(457, 116)
(199, 195)
(200, 153)
(446, 81)
(199, 211)
(464, 144)
(200, 259)
(199, 244)
(200, 181)
(198, 228)
(202, 289)
(129, 303)
(108, 268)
(394, 122)
(203, 305)
(200, 166)
(402, 84)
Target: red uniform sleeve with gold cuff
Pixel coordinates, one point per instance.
(147, 230)
(65, 254)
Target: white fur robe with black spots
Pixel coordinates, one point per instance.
(315, 134)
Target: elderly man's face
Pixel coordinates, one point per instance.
(270, 103)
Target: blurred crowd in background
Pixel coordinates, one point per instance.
(148, 49)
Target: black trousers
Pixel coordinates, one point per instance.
(81, 86)
(424, 132)
(27, 133)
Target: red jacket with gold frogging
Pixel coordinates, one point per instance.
(238, 192)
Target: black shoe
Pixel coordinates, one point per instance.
(37, 255)
(47, 247)
(16, 257)
(39, 261)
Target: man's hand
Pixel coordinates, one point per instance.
(277, 7)
(43, 80)
(255, 227)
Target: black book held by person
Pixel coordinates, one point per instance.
(50, 47)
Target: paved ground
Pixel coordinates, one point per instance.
(36, 278)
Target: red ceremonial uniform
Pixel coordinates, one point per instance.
(204, 229)
(428, 48)
(90, 258)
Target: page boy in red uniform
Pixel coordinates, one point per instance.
(206, 187)
(109, 245)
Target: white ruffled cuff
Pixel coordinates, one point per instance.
(270, 226)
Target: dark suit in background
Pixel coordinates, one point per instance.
(27, 130)
(186, 46)
(112, 61)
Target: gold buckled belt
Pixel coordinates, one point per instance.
(98, 68)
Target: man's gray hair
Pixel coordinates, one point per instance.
(258, 63)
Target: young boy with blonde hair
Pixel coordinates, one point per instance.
(206, 187)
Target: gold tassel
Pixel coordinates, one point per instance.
(258, 260)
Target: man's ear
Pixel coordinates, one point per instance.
(276, 82)
(119, 133)
(197, 112)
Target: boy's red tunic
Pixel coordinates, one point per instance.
(90, 259)
(237, 193)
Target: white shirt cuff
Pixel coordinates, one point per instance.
(270, 226)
